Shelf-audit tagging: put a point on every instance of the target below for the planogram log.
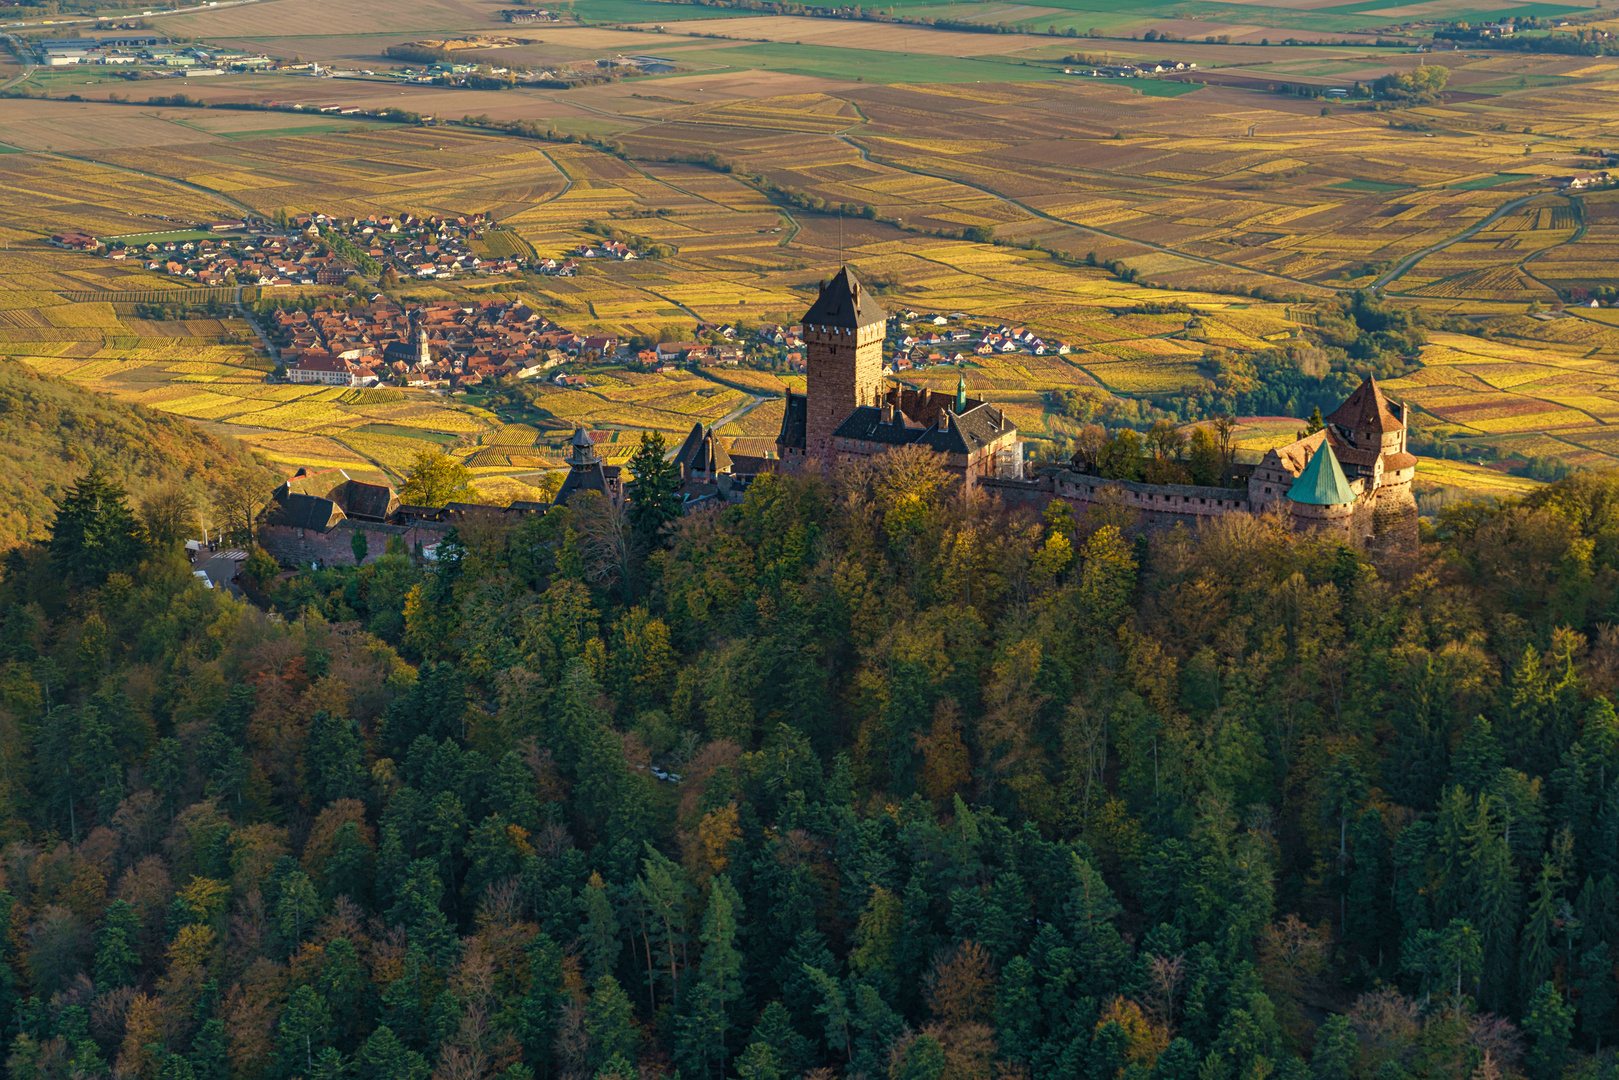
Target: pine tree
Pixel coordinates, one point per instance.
(384, 1057)
(117, 962)
(95, 532)
(1493, 884)
(789, 1048)
(1549, 1022)
(653, 502)
(1536, 954)
(759, 1062)
(600, 935)
(1335, 1050)
(302, 1032)
(610, 1024)
(1598, 995)
(335, 759)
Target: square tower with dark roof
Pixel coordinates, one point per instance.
(843, 345)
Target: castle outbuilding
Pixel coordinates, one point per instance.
(848, 412)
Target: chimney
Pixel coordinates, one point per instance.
(944, 419)
(888, 414)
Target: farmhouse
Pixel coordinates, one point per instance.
(75, 241)
(323, 367)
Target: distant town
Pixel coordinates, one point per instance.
(457, 345)
(320, 249)
(146, 56)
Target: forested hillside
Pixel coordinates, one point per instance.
(855, 779)
(50, 431)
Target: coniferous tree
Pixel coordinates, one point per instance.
(95, 533)
(653, 501)
(117, 962)
(1549, 1023)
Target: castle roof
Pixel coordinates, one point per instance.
(1366, 410)
(794, 421)
(844, 302)
(702, 452)
(976, 428)
(305, 512)
(592, 477)
(1296, 455)
(1322, 483)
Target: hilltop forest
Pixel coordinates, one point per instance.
(50, 432)
(856, 779)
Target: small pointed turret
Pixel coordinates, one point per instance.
(961, 394)
(584, 451)
(1322, 483)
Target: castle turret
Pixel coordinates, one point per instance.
(1322, 497)
(581, 452)
(961, 394)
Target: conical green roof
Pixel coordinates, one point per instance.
(1322, 483)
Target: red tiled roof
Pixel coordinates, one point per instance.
(1366, 410)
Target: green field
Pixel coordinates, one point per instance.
(162, 237)
(1481, 182)
(1373, 186)
(867, 65)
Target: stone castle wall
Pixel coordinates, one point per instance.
(1393, 513)
(1347, 522)
(292, 546)
(1161, 505)
(1381, 521)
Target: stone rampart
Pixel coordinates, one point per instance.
(292, 546)
(1161, 505)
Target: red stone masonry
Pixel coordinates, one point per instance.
(845, 371)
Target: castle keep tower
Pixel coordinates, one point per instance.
(843, 350)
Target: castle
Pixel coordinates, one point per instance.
(1352, 478)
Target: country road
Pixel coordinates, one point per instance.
(754, 401)
(1472, 230)
(153, 14)
(247, 316)
(29, 67)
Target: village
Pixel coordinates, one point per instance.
(311, 249)
(457, 345)
(318, 249)
(147, 56)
